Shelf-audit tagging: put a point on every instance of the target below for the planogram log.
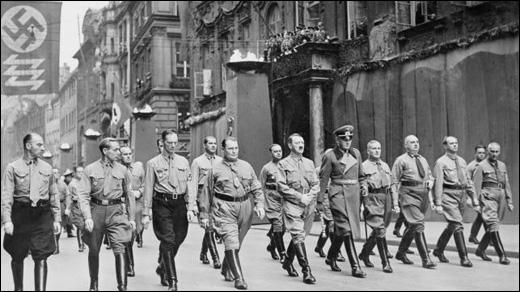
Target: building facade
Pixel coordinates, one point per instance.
(68, 120)
(52, 130)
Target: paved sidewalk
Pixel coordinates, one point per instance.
(508, 233)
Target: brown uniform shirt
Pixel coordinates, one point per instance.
(297, 176)
(445, 173)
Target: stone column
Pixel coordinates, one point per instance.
(317, 135)
(143, 137)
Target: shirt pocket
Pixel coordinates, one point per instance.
(293, 178)
(161, 174)
(183, 177)
(246, 183)
(450, 174)
(21, 178)
(117, 181)
(45, 177)
(489, 175)
(96, 181)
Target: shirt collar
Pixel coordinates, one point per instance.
(413, 155)
(209, 157)
(295, 156)
(29, 161)
(168, 157)
(451, 156)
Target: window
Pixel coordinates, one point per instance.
(412, 13)
(356, 19)
(112, 45)
(112, 90)
(274, 20)
(183, 112)
(299, 13)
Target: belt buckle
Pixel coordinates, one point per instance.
(34, 204)
(175, 196)
(104, 202)
(500, 185)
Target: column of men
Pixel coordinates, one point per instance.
(117, 197)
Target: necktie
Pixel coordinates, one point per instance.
(171, 173)
(420, 168)
(460, 173)
(34, 194)
(384, 177)
(497, 173)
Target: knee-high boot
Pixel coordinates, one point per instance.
(204, 249)
(352, 257)
(339, 257)
(288, 263)
(404, 245)
(461, 248)
(40, 275)
(280, 246)
(441, 245)
(301, 254)
(212, 246)
(57, 241)
(234, 265)
(322, 239)
(93, 268)
(499, 248)
(381, 247)
(333, 253)
(130, 267)
(121, 271)
(17, 269)
(481, 249)
(170, 269)
(367, 248)
(81, 244)
(422, 247)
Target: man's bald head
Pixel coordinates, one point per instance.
(411, 143)
(493, 151)
(451, 144)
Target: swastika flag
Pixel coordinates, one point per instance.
(30, 47)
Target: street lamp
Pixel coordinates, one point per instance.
(144, 113)
(65, 147)
(91, 134)
(47, 154)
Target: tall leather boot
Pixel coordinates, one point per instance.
(271, 247)
(81, 245)
(340, 258)
(225, 271)
(68, 227)
(475, 227)
(93, 268)
(280, 246)
(322, 239)
(170, 270)
(481, 249)
(441, 245)
(367, 248)
(333, 253)
(121, 271)
(381, 247)
(352, 257)
(204, 250)
(17, 269)
(57, 241)
(388, 254)
(40, 275)
(140, 237)
(288, 263)
(420, 241)
(234, 265)
(404, 245)
(301, 254)
(130, 272)
(161, 272)
(461, 247)
(212, 246)
(499, 248)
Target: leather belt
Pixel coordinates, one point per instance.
(493, 185)
(229, 198)
(28, 203)
(166, 196)
(454, 187)
(378, 191)
(408, 183)
(269, 187)
(107, 202)
(344, 181)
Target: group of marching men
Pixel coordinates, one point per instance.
(118, 198)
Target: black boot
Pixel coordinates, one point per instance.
(340, 258)
(322, 239)
(388, 254)
(130, 272)
(107, 242)
(170, 270)
(17, 269)
(233, 262)
(352, 257)
(57, 241)
(381, 247)
(301, 254)
(40, 275)
(288, 263)
(225, 271)
(365, 252)
(271, 247)
(481, 249)
(332, 255)
(213, 251)
(499, 248)
(93, 268)
(441, 245)
(121, 271)
(280, 246)
(404, 245)
(140, 241)
(475, 227)
(69, 231)
(162, 274)
(204, 250)
(422, 247)
(81, 245)
(461, 247)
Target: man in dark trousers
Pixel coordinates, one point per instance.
(30, 212)
(480, 155)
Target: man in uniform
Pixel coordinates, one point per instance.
(137, 188)
(30, 212)
(273, 204)
(298, 184)
(102, 203)
(494, 193)
(343, 167)
(480, 155)
(166, 194)
(73, 210)
(200, 167)
(381, 198)
(413, 173)
(160, 145)
(63, 191)
(452, 182)
(226, 198)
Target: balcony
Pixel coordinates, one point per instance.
(180, 82)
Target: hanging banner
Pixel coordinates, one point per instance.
(30, 48)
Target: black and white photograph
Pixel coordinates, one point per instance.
(260, 145)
